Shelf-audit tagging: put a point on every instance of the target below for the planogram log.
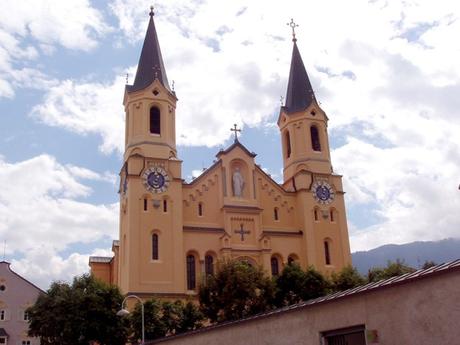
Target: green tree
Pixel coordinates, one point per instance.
(347, 278)
(154, 325)
(289, 285)
(393, 269)
(428, 264)
(164, 318)
(316, 285)
(191, 318)
(78, 313)
(295, 285)
(236, 291)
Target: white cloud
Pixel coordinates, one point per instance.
(87, 108)
(42, 267)
(41, 215)
(28, 27)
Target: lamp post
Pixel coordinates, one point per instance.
(124, 312)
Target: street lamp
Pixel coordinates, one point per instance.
(124, 312)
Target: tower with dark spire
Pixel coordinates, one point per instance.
(307, 168)
(150, 180)
(303, 125)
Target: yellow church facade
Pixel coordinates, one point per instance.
(172, 233)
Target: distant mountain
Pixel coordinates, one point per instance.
(414, 254)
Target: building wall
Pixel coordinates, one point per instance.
(422, 312)
(17, 296)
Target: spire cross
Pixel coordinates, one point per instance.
(235, 130)
(293, 25)
(242, 232)
(151, 14)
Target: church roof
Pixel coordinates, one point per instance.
(299, 94)
(150, 65)
(235, 144)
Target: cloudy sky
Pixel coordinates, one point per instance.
(386, 72)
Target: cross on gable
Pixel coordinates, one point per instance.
(242, 232)
(235, 130)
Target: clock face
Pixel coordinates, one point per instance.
(322, 192)
(156, 179)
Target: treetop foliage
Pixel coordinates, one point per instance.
(237, 290)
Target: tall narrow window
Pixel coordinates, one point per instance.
(165, 205)
(327, 254)
(288, 144)
(290, 260)
(316, 214)
(275, 213)
(155, 255)
(155, 121)
(145, 204)
(275, 266)
(191, 276)
(200, 209)
(209, 265)
(331, 212)
(315, 143)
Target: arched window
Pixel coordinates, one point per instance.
(191, 274)
(290, 260)
(200, 209)
(275, 266)
(327, 254)
(165, 205)
(315, 143)
(288, 144)
(275, 213)
(155, 120)
(316, 214)
(145, 204)
(332, 215)
(209, 265)
(155, 255)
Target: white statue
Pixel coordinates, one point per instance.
(238, 183)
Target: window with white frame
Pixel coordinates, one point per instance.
(2, 340)
(2, 314)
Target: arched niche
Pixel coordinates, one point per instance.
(240, 179)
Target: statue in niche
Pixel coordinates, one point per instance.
(238, 183)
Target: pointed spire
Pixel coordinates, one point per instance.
(150, 65)
(299, 94)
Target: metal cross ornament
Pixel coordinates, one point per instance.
(235, 130)
(293, 25)
(242, 232)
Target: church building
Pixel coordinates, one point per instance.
(172, 232)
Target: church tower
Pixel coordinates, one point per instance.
(150, 247)
(307, 170)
